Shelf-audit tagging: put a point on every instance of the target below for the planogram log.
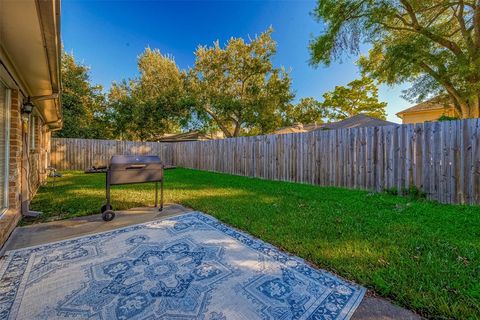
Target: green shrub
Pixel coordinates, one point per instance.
(447, 118)
(412, 192)
(391, 191)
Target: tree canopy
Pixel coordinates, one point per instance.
(238, 88)
(306, 111)
(151, 105)
(233, 88)
(83, 103)
(360, 96)
(435, 44)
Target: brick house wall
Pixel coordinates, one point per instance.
(30, 55)
(11, 217)
(36, 165)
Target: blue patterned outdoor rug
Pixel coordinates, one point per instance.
(186, 267)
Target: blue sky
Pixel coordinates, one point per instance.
(109, 35)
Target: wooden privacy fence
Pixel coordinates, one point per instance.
(440, 158)
(80, 154)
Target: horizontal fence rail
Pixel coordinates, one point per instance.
(441, 159)
(81, 154)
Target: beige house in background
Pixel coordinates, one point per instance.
(30, 109)
(430, 110)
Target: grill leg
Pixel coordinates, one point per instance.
(107, 189)
(156, 194)
(161, 195)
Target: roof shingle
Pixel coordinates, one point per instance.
(359, 120)
(438, 102)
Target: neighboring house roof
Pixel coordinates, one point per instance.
(436, 103)
(30, 50)
(359, 120)
(188, 136)
(298, 128)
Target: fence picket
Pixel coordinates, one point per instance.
(441, 158)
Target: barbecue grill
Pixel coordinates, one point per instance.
(132, 169)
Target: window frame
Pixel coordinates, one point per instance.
(32, 132)
(8, 106)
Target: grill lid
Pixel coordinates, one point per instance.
(134, 169)
(121, 159)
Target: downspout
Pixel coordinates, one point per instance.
(24, 168)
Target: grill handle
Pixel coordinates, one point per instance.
(135, 166)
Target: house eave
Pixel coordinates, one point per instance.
(402, 113)
(30, 50)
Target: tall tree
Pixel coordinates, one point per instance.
(238, 88)
(121, 106)
(153, 104)
(306, 111)
(359, 96)
(433, 43)
(83, 104)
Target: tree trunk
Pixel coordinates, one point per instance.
(474, 106)
(465, 108)
(218, 122)
(225, 131)
(471, 107)
(236, 132)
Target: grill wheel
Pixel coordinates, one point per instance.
(106, 207)
(108, 215)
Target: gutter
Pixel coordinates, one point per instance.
(52, 46)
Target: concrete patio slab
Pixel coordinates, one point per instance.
(42, 233)
(380, 309)
(370, 308)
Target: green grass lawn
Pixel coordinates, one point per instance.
(421, 254)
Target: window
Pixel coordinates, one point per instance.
(4, 145)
